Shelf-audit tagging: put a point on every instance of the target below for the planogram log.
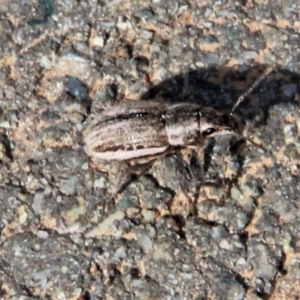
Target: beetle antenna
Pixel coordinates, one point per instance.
(254, 85)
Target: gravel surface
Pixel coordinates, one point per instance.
(167, 236)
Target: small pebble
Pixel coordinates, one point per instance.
(77, 88)
(42, 234)
(247, 55)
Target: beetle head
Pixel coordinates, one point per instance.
(214, 123)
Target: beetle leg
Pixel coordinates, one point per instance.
(127, 174)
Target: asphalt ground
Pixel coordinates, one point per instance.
(167, 235)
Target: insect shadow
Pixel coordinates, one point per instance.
(220, 88)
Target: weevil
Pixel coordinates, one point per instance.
(135, 130)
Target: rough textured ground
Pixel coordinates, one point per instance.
(167, 236)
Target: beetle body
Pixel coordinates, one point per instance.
(138, 129)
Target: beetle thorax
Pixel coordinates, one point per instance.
(182, 129)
